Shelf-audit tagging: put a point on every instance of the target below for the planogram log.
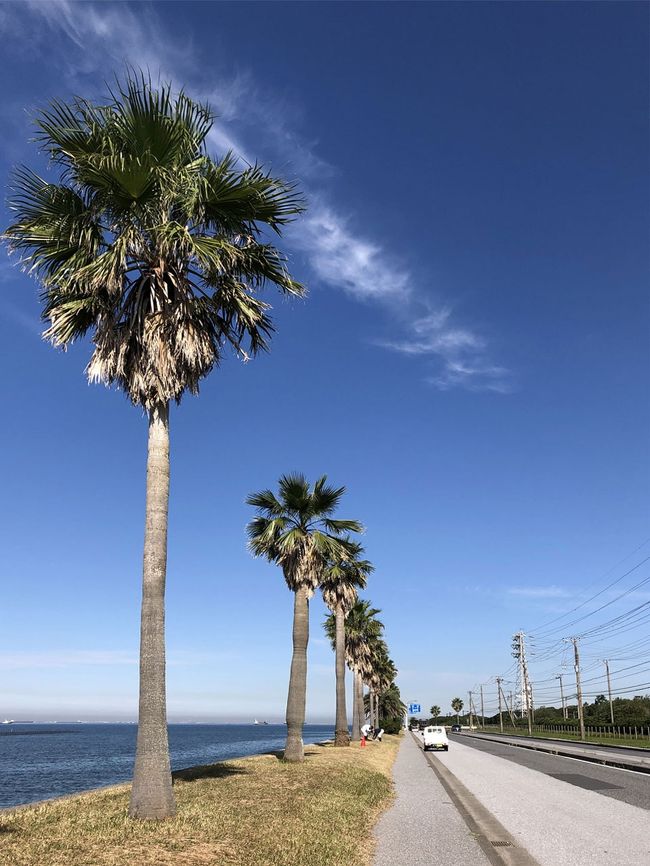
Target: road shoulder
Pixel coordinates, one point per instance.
(423, 826)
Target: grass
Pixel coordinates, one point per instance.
(255, 811)
(640, 743)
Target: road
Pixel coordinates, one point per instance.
(609, 754)
(563, 812)
(624, 785)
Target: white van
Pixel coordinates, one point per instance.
(435, 738)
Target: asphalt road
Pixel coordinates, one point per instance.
(609, 751)
(553, 809)
(624, 785)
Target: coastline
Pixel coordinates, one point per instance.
(184, 774)
(89, 757)
(252, 811)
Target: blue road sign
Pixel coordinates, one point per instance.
(415, 708)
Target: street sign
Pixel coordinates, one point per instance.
(415, 708)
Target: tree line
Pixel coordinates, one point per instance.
(629, 712)
(157, 252)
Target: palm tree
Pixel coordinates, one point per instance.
(153, 248)
(391, 704)
(361, 628)
(435, 712)
(457, 706)
(379, 675)
(341, 579)
(296, 531)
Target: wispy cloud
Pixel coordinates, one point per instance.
(461, 352)
(18, 660)
(71, 658)
(346, 261)
(252, 120)
(538, 592)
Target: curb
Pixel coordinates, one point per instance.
(498, 845)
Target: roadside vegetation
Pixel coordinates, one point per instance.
(634, 738)
(257, 811)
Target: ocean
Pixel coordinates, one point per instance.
(40, 761)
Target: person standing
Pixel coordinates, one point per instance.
(365, 730)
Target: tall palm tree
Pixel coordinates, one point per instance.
(392, 705)
(457, 706)
(152, 247)
(341, 579)
(378, 673)
(385, 673)
(296, 530)
(435, 712)
(361, 628)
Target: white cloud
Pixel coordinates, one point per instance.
(71, 658)
(81, 657)
(539, 592)
(345, 261)
(251, 121)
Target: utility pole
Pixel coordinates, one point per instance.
(470, 710)
(565, 715)
(609, 691)
(499, 681)
(576, 654)
(532, 702)
(510, 709)
(519, 652)
(482, 709)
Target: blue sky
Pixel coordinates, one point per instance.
(472, 360)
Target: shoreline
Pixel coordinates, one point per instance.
(176, 775)
(104, 769)
(316, 813)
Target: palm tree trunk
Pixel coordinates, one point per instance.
(151, 793)
(341, 735)
(294, 749)
(360, 707)
(356, 727)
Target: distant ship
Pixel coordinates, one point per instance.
(255, 722)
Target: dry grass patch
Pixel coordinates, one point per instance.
(252, 812)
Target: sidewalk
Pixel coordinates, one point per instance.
(423, 827)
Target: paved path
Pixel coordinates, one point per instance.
(560, 824)
(423, 827)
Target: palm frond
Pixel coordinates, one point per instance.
(266, 501)
(146, 242)
(233, 200)
(310, 545)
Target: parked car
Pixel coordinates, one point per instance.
(456, 729)
(435, 737)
